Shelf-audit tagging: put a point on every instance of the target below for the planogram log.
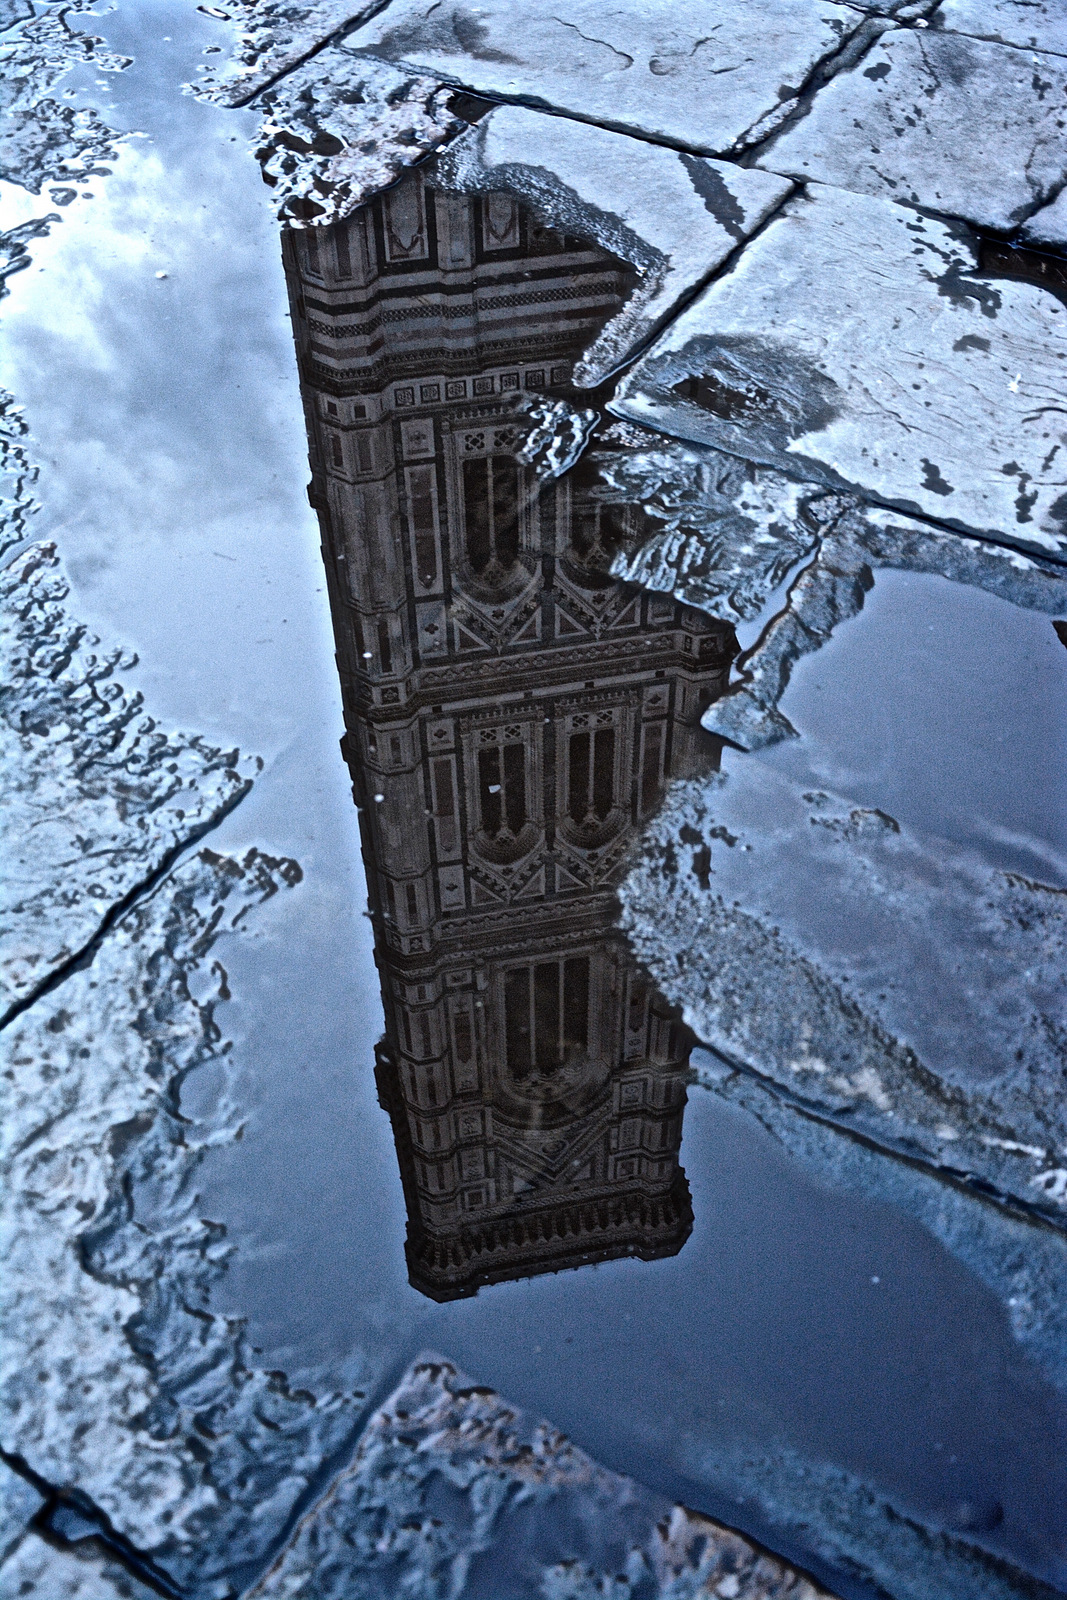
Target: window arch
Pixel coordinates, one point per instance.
(546, 1011)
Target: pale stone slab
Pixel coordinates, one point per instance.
(674, 216)
(1030, 24)
(697, 73)
(447, 1472)
(1049, 226)
(278, 36)
(953, 124)
(850, 345)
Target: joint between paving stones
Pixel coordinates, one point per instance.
(85, 956)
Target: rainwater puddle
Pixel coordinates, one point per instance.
(470, 1120)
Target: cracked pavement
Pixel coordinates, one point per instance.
(842, 363)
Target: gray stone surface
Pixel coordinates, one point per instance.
(697, 73)
(1030, 24)
(1049, 226)
(82, 1572)
(890, 981)
(43, 138)
(447, 1472)
(96, 795)
(674, 216)
(116, 1378)
(19, 1501)
(453, 1491)
(719, 533)
(852, 345)
(342, 127)
(275, 36)
(903, 123)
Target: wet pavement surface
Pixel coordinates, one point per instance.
(597, 953)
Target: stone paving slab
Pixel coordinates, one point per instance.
(696, 73)
(674, 216)
(1049, 226)
(278, 36)
(851, 346)
(449, 1480)
(1030, 24)
(940, 120)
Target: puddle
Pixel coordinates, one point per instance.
(469, 1119)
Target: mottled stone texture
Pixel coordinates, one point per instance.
(44, 139)
(675, 217)
(277, 36)
(938, 120)
(341, 127)
(447, 1472)
(697, 73)
(1049, 226)
(96, 795)
(1030, 24)
(853, 345)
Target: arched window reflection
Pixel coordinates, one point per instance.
(491, 515)
(502, 790)
(546, 1007)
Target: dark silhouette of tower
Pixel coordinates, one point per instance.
(512, 715)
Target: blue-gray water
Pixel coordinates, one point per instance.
(797, 1317)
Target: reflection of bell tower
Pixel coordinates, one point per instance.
(512, 714)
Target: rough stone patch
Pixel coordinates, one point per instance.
(719, 533)
(1049, 226)
(34, 1567)
(893, 983)
(43, 139)
(275, 37)
(342, 127)
(675, 217)
(95, 795)
(1030, 24)
(116, 1379)
(938, 120)
(853, 344)
(699, 73)
(447, 1471)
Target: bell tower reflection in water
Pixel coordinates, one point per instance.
(512, 715)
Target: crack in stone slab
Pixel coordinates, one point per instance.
(836, 350)
(515, 56)
(1027, 24)
(675, 218)
(900, 123)
(98, 798)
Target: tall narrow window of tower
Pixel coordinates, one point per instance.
(461, 1027)
(491, 514)
(594, 536)
(336, 450)
(651, 766)
(421, 512)
(518, 1022)
(311, 252)
(591, 775)
(502, 789)
(385, 648)
(364, 456)
(547, 1015)
(344, 259)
